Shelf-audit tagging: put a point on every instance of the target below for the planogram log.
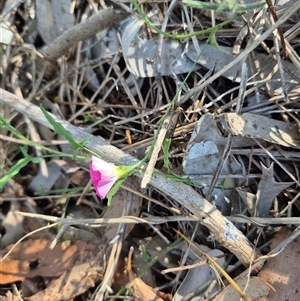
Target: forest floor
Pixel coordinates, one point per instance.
(149, 150)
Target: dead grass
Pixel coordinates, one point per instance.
(249, 114)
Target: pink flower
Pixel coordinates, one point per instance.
(104, 175)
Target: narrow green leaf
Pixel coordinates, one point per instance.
(222, 184)
(228, 6)
(201, 5)
(24, 151)
(180, 36)
(231, 4)
(166, 148)
(35, 160)
(14, 170)
(61, 130)
(247, 7)
(213, 41)
(7, 125)
(114, 190)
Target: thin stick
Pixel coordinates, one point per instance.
(156, 220)
(156, 150)
(274, 15)
(84, 30)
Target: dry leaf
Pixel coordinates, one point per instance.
(256, 126)
(140, 290)
(35, 258)
(140, 54)
(249, 200)
(54, 18)
(13, 225)
(88, 267)
(82, 275)
(255, 288)
(202, 157)
(282, 271)
(267, 190)
(57, 170)
(213, 59)
(198, 276)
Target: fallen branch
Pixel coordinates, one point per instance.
(103, 19)
(220, 227)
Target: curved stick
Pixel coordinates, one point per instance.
(219, 226)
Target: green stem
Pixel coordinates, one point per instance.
(211, 31)
(180, 36)
(17, 134)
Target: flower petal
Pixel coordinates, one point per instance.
(103, 175)
(101, 165)
(104, 186)
(95, 175)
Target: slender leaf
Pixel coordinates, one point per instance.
(114, 190)
(61, 130)
(15, 170)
